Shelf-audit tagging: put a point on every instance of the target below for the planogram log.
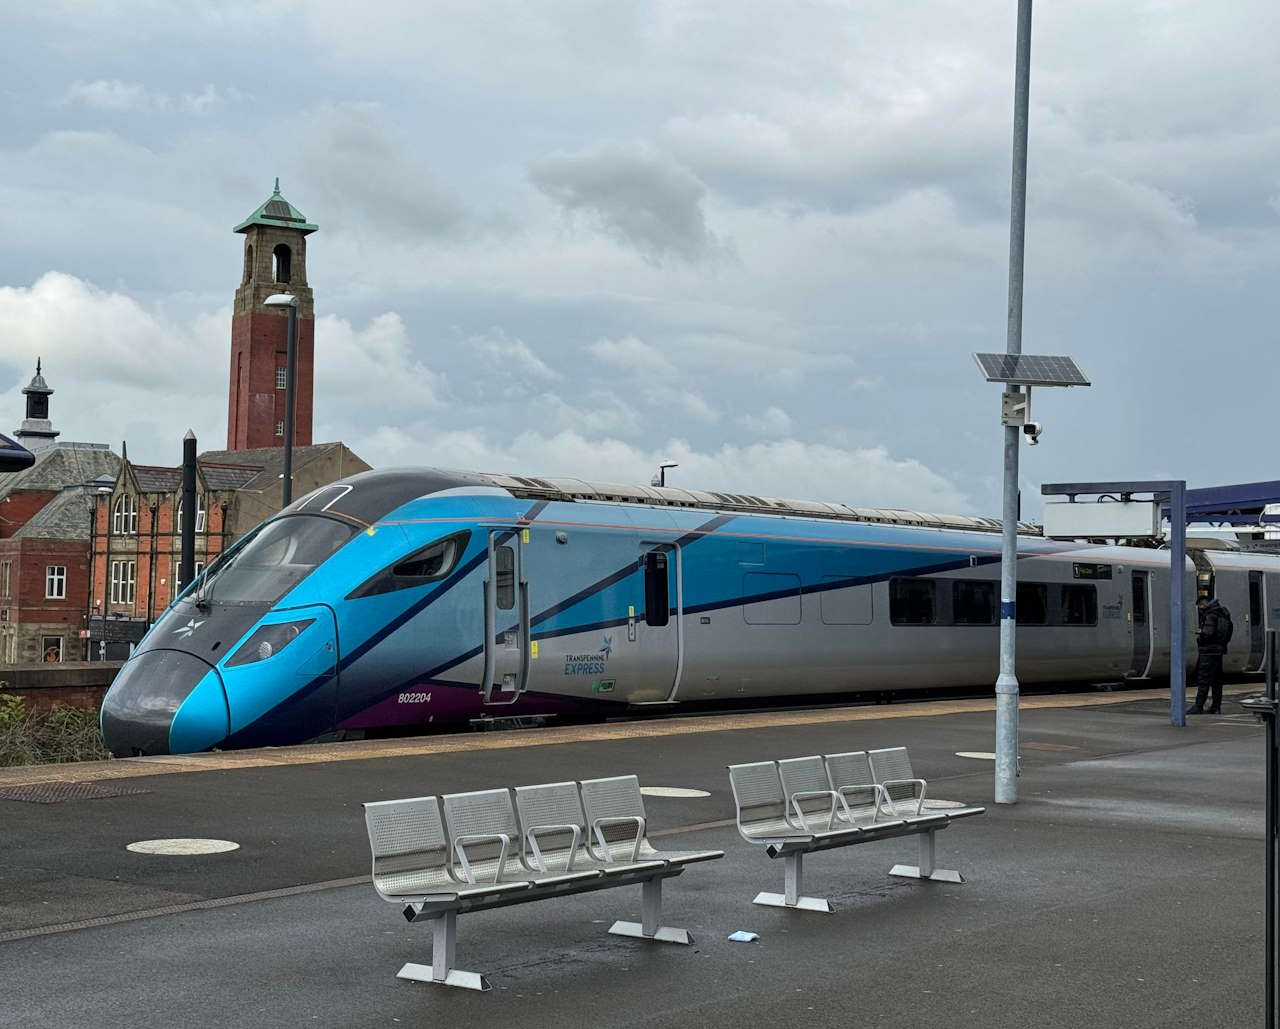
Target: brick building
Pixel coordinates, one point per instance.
(136, 539)
(45, 514)
(275, 261)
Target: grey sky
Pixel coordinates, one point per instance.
(573, 238)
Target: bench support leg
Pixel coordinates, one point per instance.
(925, 869)
(444, 940)
(793, 880)
(650, 926)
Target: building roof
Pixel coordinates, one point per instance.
(276, 211)
(65, 517)
(37, 383)
(265, 463)
(61, 465)
(156, 478)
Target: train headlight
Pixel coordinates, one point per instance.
(268, 641)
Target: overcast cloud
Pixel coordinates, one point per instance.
(577, 238)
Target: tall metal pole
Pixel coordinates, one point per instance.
(290, 375)
(1177, 604)
(1269, 1002)
(187, 562)
(1006, 791)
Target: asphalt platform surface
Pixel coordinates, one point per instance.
(1124, 889)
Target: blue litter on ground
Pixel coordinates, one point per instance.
(742, 936)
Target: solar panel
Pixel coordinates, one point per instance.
(1031, 369)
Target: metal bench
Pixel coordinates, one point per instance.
(481, 854)
(800, 805)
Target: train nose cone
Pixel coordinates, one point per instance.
(164, 701)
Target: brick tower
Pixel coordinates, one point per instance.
(275, 261)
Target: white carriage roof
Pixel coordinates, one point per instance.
(672, 496)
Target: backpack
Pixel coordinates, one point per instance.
(1225, 627)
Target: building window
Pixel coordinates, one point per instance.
(913, 601)
(279, 428)
(200, 514)
(5, 571)
(178, 584)
(51, 648)
(282, 377)
(123, 580)
(124, 516)
(55, 582)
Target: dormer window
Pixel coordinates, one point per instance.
(124, 516)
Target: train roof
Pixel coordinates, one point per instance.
(370, 495)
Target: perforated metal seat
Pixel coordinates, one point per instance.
(411, 854)
(484, 842)
(905, 793)
(812, 802)
(614, 809)
(865, 801)
(555, 834)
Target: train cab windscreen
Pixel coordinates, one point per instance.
(280, 555)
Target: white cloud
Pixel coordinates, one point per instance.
(772, 421)
(511, 356)
(632, 355)
(789, 469)
(114, 95)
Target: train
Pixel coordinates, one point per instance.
(403, 600)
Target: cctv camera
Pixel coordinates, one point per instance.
(1032, 431)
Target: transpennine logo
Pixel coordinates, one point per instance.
(184, 631)
(589, 664)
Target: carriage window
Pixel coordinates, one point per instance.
(1079, 605)
(1033, 603)
(913, 601)
(504, 560)
(973, 603)
(657, 605)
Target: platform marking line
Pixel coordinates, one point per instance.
(422, 746)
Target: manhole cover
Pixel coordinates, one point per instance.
(977, 755)
(61, 792)
(672, 791)
(182, 848)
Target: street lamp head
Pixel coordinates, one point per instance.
(281, 300)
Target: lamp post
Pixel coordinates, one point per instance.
(288, 300)
(660, 476)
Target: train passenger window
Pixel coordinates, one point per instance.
(504, 559)
(973, 603)
(913, 601)
(1079, 605)
(1033, 603)
(657, 607)
(428, 564)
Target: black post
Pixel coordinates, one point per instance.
(291, 370)
(187, 568)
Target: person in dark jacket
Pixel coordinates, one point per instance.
(1215, 632)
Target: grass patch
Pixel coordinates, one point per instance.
(63, 733)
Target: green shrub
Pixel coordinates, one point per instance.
(63, 733)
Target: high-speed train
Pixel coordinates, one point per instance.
(403, 599)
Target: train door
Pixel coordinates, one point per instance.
(1257, 623)
(654, 632)
(506, 619)
(1142, 626)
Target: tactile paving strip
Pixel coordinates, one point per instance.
(62, 792)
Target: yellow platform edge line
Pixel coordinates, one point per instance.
(368, 750)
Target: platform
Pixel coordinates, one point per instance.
(1125, 889)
